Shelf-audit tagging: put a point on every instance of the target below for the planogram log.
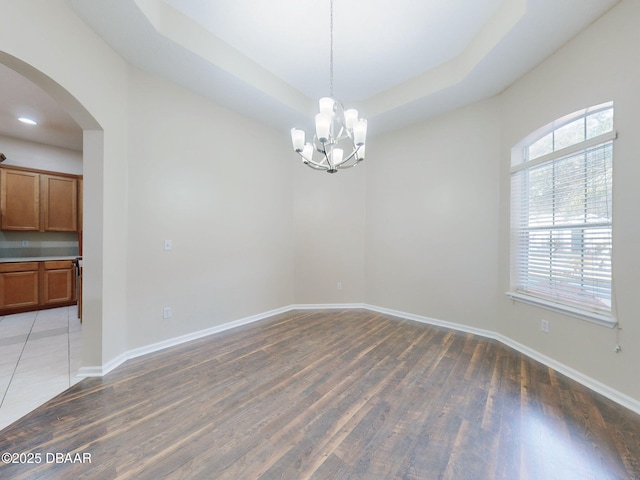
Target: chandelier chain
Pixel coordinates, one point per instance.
(331, 55)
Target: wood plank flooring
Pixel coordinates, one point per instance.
(344, 394)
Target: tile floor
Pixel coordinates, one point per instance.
(40, 354)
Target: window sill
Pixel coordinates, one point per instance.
(597, 318)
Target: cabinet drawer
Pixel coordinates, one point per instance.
(18, 267)
(57, 264)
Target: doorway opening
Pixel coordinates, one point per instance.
(50, 337)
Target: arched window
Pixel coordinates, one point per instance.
(561, 222)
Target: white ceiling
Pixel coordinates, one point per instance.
(20, 97)
(397, 61)
(377, 44)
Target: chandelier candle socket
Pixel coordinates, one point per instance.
(340, 135)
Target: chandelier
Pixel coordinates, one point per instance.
(340, 135)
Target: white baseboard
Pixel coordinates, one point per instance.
(596, 386)
(610, 393)
(102, 370)
(85, 372)
(599, 387)
(99, 371)
(325, 306)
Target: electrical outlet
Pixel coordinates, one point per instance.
(24, 243)
(168, 245)
(339, 286)
(166, 312)
(544, 326)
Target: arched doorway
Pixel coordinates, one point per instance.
(92, 158)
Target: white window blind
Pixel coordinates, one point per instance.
(561, 215)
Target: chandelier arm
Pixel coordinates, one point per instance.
(326, 156)
(322, 147)
(315, 167)
(312, 163)
(342, 166)
(353, 154)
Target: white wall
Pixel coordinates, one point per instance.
(432, 218)
(599, 65)
(39, 156)
(219, 186)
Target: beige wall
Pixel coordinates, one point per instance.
(432, 218)
(44, 41)
(438, 208)
(422, 228)
(219, 186)
(599, 65)
(329, 234)
(183, 168)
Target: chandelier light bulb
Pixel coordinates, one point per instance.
(297, 138)
(360, 132)
(307, 152)
(323, 127)
(350, 117)
(327, 105)
(336, 156)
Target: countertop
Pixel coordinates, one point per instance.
(35, 259)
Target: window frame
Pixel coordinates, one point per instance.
(519, 163)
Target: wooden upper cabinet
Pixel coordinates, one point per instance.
(38, 200)
(19, 200)
(59, 203)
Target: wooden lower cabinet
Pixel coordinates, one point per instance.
(19, 286)
(58, 283)
(26, 286)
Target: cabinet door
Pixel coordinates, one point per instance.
(18, 285)
(19, 200)
(59, 197)
(58, 282)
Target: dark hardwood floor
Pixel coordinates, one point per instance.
(329, 395)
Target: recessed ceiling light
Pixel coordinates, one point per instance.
(28, 121)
